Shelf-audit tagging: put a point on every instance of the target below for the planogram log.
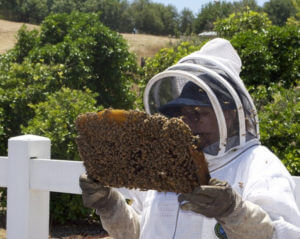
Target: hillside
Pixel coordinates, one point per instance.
(141, 44)
(8, 32)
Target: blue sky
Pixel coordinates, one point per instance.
(195, 5)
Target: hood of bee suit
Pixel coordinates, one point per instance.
(209, 78)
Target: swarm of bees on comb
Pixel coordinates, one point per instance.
(139, 151)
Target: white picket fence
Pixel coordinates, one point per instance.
(29, 175)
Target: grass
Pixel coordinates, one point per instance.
(144, 45)
(141, 44)
(8, 32)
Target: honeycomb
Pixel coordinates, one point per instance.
(139, 151)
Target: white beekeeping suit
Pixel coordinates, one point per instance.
(266, 205)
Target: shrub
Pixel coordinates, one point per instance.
(279, 126)
(1, 124)
(242, 21)
(269, 56)
(94, 56)
(55, 119)
(26, 41)
(280, 10)
(75, 51)
(20, 85)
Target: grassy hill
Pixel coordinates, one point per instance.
(141, 44)
(8, 32)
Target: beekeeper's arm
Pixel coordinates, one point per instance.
(117, 217)
(275, 194)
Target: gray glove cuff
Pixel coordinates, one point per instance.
(119, 219)
(247, 221)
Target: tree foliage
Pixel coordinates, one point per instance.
(74, 51)
(279, 11)
(279, 112)
(220, 10)
(242, 21)
(144, 15)
(92, 55)
(55, 118)
(187, 19)
(209, 13)
(269, 56)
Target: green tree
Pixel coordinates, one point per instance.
(64, 6)
(75, 51)
(241, 22)
(210, 13)
(295, 20)
(114, 13)
(170, 19)
(22, 84)
(34, 11)
(279, 11)
(94, 56)
(146, 17)
(155, 18)
(244, 4)
(186, 22)
(269, 56)
(10, 9)
(279, 112)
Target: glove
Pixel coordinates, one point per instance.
(118, 218)
(239, 219)
(94, 194)
(217, 199)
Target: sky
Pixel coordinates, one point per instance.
(195, 5)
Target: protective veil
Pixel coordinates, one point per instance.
(210, 78)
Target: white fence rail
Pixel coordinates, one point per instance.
(29, 175)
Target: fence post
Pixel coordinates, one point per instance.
(27, 209)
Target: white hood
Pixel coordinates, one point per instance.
(215, 70)
(221, 50)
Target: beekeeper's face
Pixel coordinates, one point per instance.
(203, 122)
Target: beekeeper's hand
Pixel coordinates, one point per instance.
(117, 218)
(239, 219)
(94, 194)
(214, 200)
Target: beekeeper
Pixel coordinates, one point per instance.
(250, 195)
